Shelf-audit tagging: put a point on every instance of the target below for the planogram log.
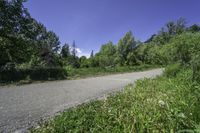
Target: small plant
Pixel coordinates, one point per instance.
(195, 63)
(172, 70)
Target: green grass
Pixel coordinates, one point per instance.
(99, 71)
(154, 105)
(73, 73)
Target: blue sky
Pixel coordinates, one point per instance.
(92, 23)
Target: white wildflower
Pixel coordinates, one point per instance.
(181, 115)
(161, 103)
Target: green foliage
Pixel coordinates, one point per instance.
(106, 55)
(4, 54)
(69, 56)
(194, 28)
(172, 70)
(152, 105)
(195, 64)
(92, 54)
(65, 51)
(10, 73)
(84, 62)
(95, 71)
(21, 36)
(131, 59)
(183, 48)
(171, 29)
(43, 73)
(124, 47)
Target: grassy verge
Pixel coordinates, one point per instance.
(89, 72)
(84, 72)
(165, 104)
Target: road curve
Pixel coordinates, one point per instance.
(22, 106)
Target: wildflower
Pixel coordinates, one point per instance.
(161, 103)
(181, 115)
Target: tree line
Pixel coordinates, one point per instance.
(27, 46)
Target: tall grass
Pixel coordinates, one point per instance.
(154, 105)
(97, 71)
(28, 75)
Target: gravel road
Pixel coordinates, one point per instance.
(23, 106)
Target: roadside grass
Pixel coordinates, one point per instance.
(165, 104)
(78, 73)
(100, 71)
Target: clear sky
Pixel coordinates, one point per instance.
(92, 23)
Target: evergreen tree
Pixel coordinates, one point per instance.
(74, 50)
(65, 52)
(92, 54)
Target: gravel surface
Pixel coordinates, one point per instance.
(23, 106)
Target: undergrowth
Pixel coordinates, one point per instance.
(97, 71)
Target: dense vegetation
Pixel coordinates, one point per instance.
(99, 71)
(27, 48)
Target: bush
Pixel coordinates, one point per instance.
(43, 73)
(172, 70)
(10, 73)
(195, 64)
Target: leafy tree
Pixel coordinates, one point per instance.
(93, 60)
(12, 21)
(22, 36)
(180, 25)
(106, 54)
(125, 45)
(74, 50)
(65, 51)
(49, 46)
(194, 28)
(171, 29)
(132, 59)
(84, 62)
(74, 60)
(108, 49)
(150, 39)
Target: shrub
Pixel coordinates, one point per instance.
(172, 70)
(9, 73)
(42, 73)
(195, 64)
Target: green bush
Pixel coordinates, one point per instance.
(195, 64)
(91, 71)
(172, 70)
(10, 73)
(43, 73)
